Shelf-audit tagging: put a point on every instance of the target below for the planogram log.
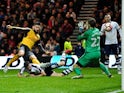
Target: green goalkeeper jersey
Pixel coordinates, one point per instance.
(92, 37)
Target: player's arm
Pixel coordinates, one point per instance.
(19, 28)
(38, 75)
(57, 74)
(102, 31)
(119, 29)
(81, 37)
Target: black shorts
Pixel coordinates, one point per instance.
(48, 71)
(111, 49)
(27, 51)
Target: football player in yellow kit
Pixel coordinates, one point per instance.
(25, 46)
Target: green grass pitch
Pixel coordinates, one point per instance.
(94, 81)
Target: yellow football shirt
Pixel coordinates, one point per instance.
(30, 39)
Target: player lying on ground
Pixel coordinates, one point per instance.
(36, 70)
(47, 70)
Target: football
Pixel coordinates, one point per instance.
(108, 27)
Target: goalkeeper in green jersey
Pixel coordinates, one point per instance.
(92, 50)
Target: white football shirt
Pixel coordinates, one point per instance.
(111, 36)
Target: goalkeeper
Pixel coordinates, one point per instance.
(25, 46)
(92, 50)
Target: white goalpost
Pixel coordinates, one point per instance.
(122, 44)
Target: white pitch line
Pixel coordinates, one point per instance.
(4, 76)
(116, 91)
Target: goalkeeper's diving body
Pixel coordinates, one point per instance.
(92, 50)
(25, 46)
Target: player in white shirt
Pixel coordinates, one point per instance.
(110, 29)
(46, 70)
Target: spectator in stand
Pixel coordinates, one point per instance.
(67, 29)
(3, 27)
(12, 42)
(99, 18)
(49, 48)
(53, 33)
(3, 30)
(79, 50)
(59, 19)
(64, 9)
(51, 22)
(45, 16)
(4, 45)
(21, 19)
(70, 19)
(44, 38)
(25, 24)
(1, 14)
(31, 15)
(14, 19)
(68, 46)
(71, 4)
(54, 12)
(56, 26)
(2, 52)
(57, 6)
(57, 49)
(72, 14)
(60, 40)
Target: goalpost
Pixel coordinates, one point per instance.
(122, 45)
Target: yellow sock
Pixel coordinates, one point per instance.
(13, 59)
(35, 61)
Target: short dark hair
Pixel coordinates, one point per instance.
(92, 22)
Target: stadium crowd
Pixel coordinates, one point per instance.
(57, 19)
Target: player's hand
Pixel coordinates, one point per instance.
(9, 26)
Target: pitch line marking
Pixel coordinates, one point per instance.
(116, 91)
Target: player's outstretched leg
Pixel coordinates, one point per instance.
(67, 71)
(105, 69)
(78, 72)
(5, 69)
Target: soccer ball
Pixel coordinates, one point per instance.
(108, 27)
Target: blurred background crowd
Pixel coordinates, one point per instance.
(57, 18)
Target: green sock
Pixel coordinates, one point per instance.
(77, 71)
(105, 69)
